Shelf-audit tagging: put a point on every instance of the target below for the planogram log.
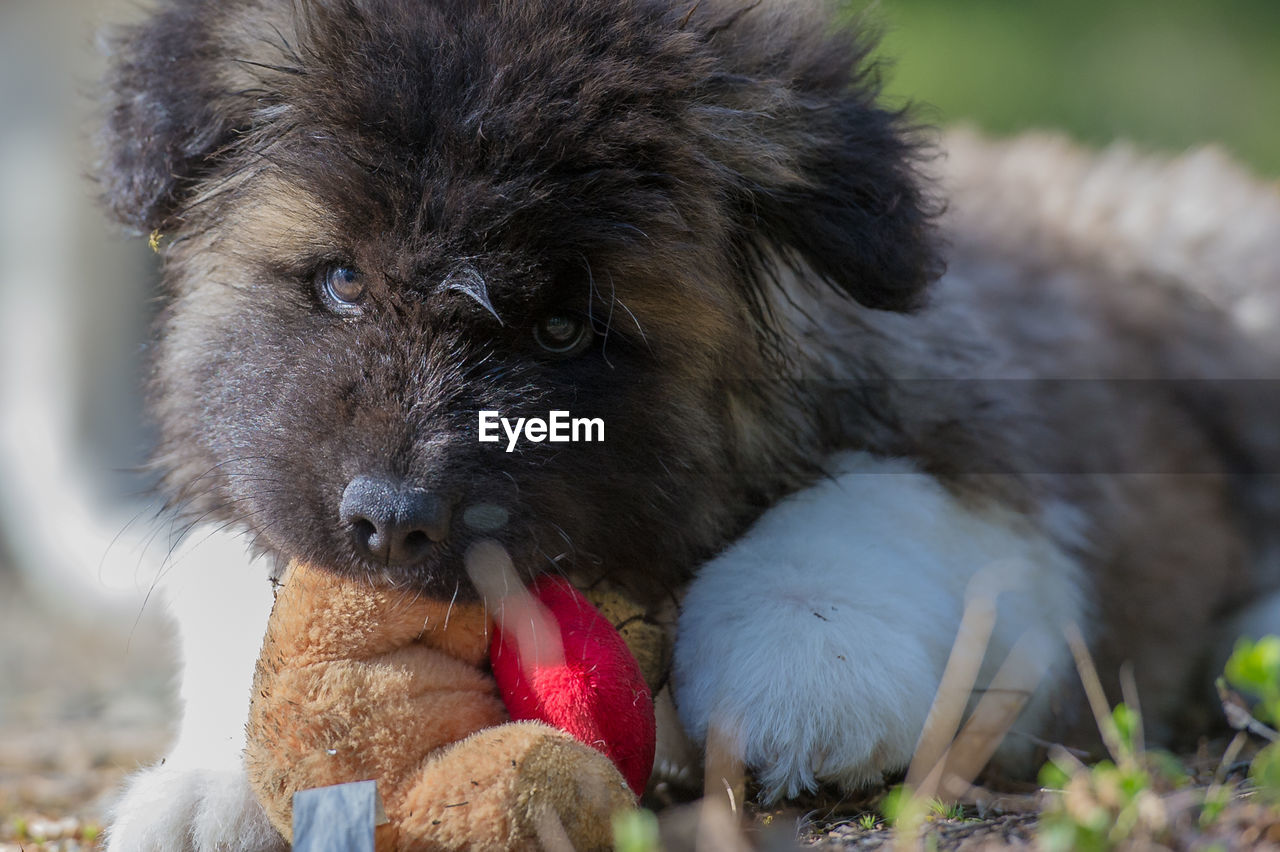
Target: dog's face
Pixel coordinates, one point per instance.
(382, 217)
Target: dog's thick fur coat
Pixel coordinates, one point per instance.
(715, 189)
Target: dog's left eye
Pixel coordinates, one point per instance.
(562, 335)
(341, 289)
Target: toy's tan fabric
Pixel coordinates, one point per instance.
(356, 682)
(645, 635)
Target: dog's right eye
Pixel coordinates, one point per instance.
(562, 335)
(341, 289)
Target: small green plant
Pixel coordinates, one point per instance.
(942, 810)
(901, 804)
(1254, 669)
(636, 831)
(1216, 799)
(868, 822)
(1097, 807)
(1128, 727)
(1264, 772)
(896, 806)
(905, 813)
(908, 814)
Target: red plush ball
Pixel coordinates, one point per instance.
(597, 694)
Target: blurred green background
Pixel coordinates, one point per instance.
(1168, 75)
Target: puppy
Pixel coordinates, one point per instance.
(695, 223)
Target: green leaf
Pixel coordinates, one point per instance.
(1254, 667)
(1265, 773)
(895, 803)
(636, 831)
(1127, 723)
(1053, 776)
(1215, 802)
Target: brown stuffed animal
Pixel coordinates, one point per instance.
(356, 682)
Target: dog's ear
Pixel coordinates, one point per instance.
(824, 173)
(169, 112)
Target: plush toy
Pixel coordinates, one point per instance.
(357, 682)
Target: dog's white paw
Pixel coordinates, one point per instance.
(809, 684)
(168, 809)
(816, 642)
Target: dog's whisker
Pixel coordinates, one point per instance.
(639, 328)
(449, 611)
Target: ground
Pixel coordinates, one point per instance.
(84, 700)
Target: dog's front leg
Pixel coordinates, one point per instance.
(816, 643)
(197, 799)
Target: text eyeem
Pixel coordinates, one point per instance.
(558, 427)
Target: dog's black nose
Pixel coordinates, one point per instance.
(391, 522)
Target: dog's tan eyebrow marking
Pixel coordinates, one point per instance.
(285, 218)
(467, 279)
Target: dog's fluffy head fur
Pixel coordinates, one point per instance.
(649, 166)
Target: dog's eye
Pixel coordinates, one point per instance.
(563, 335)
(341, 289)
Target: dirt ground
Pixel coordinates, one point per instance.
(84, 700)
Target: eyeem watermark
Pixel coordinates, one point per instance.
(559, 428)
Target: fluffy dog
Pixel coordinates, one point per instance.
(696, 222)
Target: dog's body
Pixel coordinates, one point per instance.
(696, 224)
